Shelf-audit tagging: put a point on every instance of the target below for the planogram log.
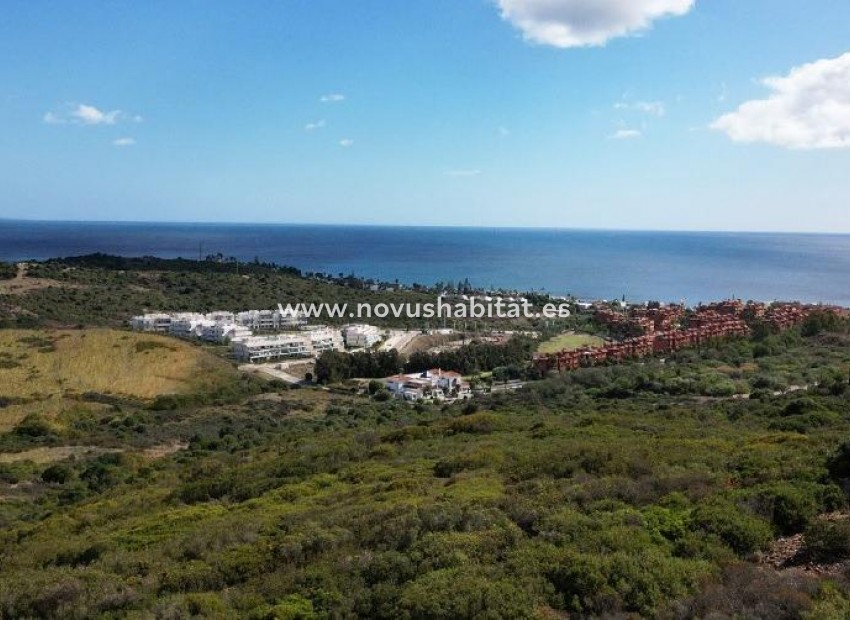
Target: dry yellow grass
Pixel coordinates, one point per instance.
(42, 456)
(101, 360)
(43, 367)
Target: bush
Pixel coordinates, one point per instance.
(293, 607)
(838, 463)
(742, 531)
(790, 508)
(828, 541)
(34, 425)
(477, 423)
(57, 474)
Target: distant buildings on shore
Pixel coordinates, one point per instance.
(657, 329)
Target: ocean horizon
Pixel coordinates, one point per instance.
(593, 264)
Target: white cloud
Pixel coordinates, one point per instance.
(463, 173)
(90, 115)
(314, 126)
(808, 109)
(124, 142)
(53, 119)
(84, 114)
(654, 108)
(582, 23)
(332, 98)
(346, 142)
(626, 134)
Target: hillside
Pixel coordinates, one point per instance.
(46, 373)
(108, 290)
(614, 491)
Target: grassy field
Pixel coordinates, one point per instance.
(569, 341)
(43, 371)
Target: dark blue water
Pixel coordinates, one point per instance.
(590, 264)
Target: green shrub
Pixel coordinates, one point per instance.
(828, 541)
(742, 531)
(838, 463)
(34, 425)
(789, 507)
(57, 474)
(293, 607)
(476, 423)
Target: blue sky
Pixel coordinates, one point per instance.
(548, 113)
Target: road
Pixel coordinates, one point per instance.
(276, 370)
(398, 340)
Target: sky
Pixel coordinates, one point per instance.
(613, 114)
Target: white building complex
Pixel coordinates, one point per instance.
(293, 338)
(269, 320)
(361, 336)
(156, 322)
(225, 332)
(307, 343)
(187, 325)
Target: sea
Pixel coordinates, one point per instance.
(692, 267)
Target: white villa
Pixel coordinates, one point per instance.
(433, 384)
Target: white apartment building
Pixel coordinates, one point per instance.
(187, 325)
(225, 332)
(306, 343)
(269, 320)
(290, 319)
(221, 316)
(156, 322)
(361, 335)
(323, 338)
(259, 320)
(267, 348)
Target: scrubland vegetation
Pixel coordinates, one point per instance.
(106, 290)
(7, 271)
(648, 489)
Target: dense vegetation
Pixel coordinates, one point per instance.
(108, 290)
(475, 357)
(143, 477)
(643, 489)
(7, 271)
(336, 366)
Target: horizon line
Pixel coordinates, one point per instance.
(429, 226)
